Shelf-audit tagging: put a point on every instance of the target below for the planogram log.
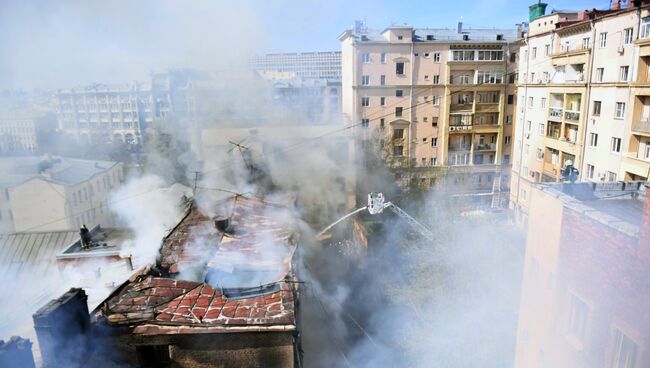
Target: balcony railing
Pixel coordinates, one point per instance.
(555, 114)
(638, 156)
(460, 127)
(572, 115)
(642, 126)
(485, 147)
(460, 147)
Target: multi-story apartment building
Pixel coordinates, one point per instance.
(580, 98)
(23, 125)
(434, 100)
(101, 113)
(323, 64)
(50, 194)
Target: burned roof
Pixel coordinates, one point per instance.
(225, 272)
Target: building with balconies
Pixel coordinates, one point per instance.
(578, 73)
(448, 94)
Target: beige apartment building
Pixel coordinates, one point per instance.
(52, 194)
(581, 98)
(434, 101)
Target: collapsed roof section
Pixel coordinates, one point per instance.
(229, 272)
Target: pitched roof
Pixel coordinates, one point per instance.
(59, 170)
(219, 278)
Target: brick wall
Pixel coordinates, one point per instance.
(606, 269)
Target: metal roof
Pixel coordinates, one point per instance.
(58, 170)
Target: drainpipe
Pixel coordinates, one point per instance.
(585, 118)
(411, 146)
(523, 130)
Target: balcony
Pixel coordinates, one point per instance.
(460, 128)
(635, 163)
(641, 126)
(550, 168)
(572, 115)
(459, 146)
(485, 147)
(555, 114)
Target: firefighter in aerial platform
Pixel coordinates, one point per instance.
(86, 239)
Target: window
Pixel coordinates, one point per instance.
(625, 351)
(427, 55)
(365, 57)
(365, 80)
(532, 77)
(490, 77)
(399, 68)
(490, 55)
(382, 80)
(624, 73)
(365, 123)
(529, 125)
(382, 123)
(547, 50)
(546, 77)
(531, 101)
(513, 57)
(436, 57)
(365, 101)
(593, 139)
(600, 74)
(645, 28)
(590, 171)
(585, 42)
(542, 103)
(434, 121)
(436, 100)
(434, 142)
(463, 55)
(620, 110)
(436, 79)
(398, 112)
(611, 176)
(628, 36)
(507, 139)
(153, 355)
(540, 154)
(382, 57)
(577, 318)
(597, 106)
(508, 119)
(540, 128)
(616, 144)
(534, 56)
(382, 101)
(511, 99)
(400, 38)
(398, 150)
(603, 39)
(399, 93)
(398, 133)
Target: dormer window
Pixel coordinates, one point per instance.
(429, 37)
(400, 38)
(499, 37)
(465, 37)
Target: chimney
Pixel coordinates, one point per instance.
(615, 5)
(459, 29)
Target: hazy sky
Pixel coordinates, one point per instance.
(51, 44)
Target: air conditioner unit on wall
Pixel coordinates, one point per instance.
(620, 50)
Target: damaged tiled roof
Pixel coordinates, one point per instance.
(175, 302)
(258, 246)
